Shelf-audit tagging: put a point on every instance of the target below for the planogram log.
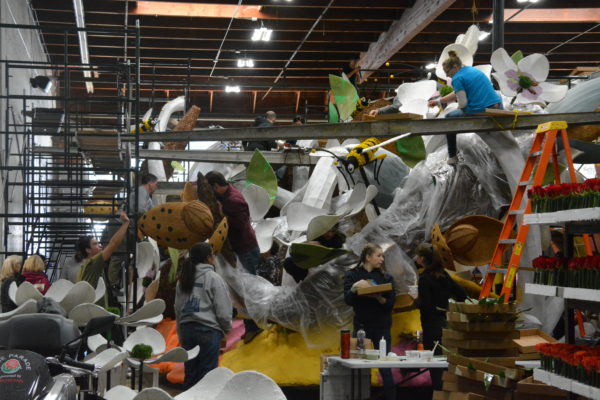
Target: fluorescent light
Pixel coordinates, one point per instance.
(245, 62)
(483, 35)
(431, 66)
(89, 87)
(83, 43)
(232, 89)
(262, 33)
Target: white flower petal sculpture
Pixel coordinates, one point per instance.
(369, 195)
(250, 385)
(59, 289)
(321, 184)
(12, 292)
(416, 106)
(209, 386)
(153, 393)
(99, 291)
(486, 69)
(320, 225)
(461, 51)
(81, 314)
(283, 197)
(24, 292)
(96, 343)
(149, 310)
(470, 39)
(146, 258)
(299, 215)
(147, 336)
(107, 359)
(258, 201)
(177, 354)
(120, 392)
(29, 307)
(525, 80)
(416, 90)
(264, 233)
(81, 292)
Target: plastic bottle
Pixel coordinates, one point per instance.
(382, 348)
(360, 341)
(420, 340)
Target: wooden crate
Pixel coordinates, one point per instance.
(480, 376)
(480, 318)
(485, 353)
(510, 371)
(466, 385)
(462, 335)
(384, 287)
(482, 308)
(530, 337)
(479, 344)
(437, 395)
(482, 326)
(530, 387)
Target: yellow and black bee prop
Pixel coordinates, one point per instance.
(358, 158)
(145, 126)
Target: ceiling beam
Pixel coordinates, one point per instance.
(553, 15)
(400, 33)
(175, 9)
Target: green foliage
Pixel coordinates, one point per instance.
(517, 56)
(260, 173)
(525, 82)
(174, 254)
(177, 166)
(114, 310)
(446, 90)
(411, 150)
(141, 351)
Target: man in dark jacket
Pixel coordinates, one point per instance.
(262, 122)
(241, 235)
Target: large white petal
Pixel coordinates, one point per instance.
(258, 201)
(553, 93)
(522, 99)
(147, 336)
(486, 69)
(415, 106)
(537, 65)
(299, 216)
(503, 83)
(471, 39)
(501, 61)
(416, 90)
(461, 51)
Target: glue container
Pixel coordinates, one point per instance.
(382, 349)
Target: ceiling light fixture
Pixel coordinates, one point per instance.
(232, 89)
(245, 62)
(483, 35)
(431, 66)
(262, 33)
(83, 43)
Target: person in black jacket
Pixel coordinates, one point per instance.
(436, 287)
(262, 122)
(372, 312)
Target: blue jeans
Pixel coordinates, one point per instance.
(250, 259)
(194, 334)
(375, 334)
(451, 138)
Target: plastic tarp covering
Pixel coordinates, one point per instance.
(312, 307)
(437, 193)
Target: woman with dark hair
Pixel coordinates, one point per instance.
(372, 312)
(436, 287)
(95, 258)
(203, 311)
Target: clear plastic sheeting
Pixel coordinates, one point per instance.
(437, 193)
(313, 306)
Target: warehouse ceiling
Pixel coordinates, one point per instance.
(197, 45)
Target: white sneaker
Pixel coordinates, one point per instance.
(452, 160)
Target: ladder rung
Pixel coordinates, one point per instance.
(507, 241)
(535, 154)
(516, 212)
(497, 270)
(526, 183)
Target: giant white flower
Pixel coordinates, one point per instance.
(525, 80)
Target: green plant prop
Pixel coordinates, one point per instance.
(114, 310)
(261, 174)
(446, 90)
(141, 351)
(411, 150)
(345, 96)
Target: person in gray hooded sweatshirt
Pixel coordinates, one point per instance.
(203, 310)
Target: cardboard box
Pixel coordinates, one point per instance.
(530, 337)
(482, 308)
(384, 287)
(529, 386)
(471, 386)
(479, 344)
(510, 372)
(480, 376)
(480, 318)
(482, 326)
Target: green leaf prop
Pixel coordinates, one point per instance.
(411, 150)
(345, 96)
(445, 90)
(177, 166)
(334, 118)
(307, 255)
(174, 254)
(261, 174)
(141, 351)
(517, 56)
(114, 310)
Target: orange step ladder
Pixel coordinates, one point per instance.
(542, 148)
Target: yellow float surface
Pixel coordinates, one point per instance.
(284, 357)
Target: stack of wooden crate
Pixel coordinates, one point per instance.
(482, 352)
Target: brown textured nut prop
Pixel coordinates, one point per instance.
(100, 207)
(190, 192)
(217, 240)
(174, 225)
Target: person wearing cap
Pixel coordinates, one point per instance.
(436, 287)
(472, 90)
(265, 121)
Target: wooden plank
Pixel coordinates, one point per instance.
(412, 21)
(460, 335)
(479, 344)
(486, 366)
(384, 287)
(530, 337)
(368, 129)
